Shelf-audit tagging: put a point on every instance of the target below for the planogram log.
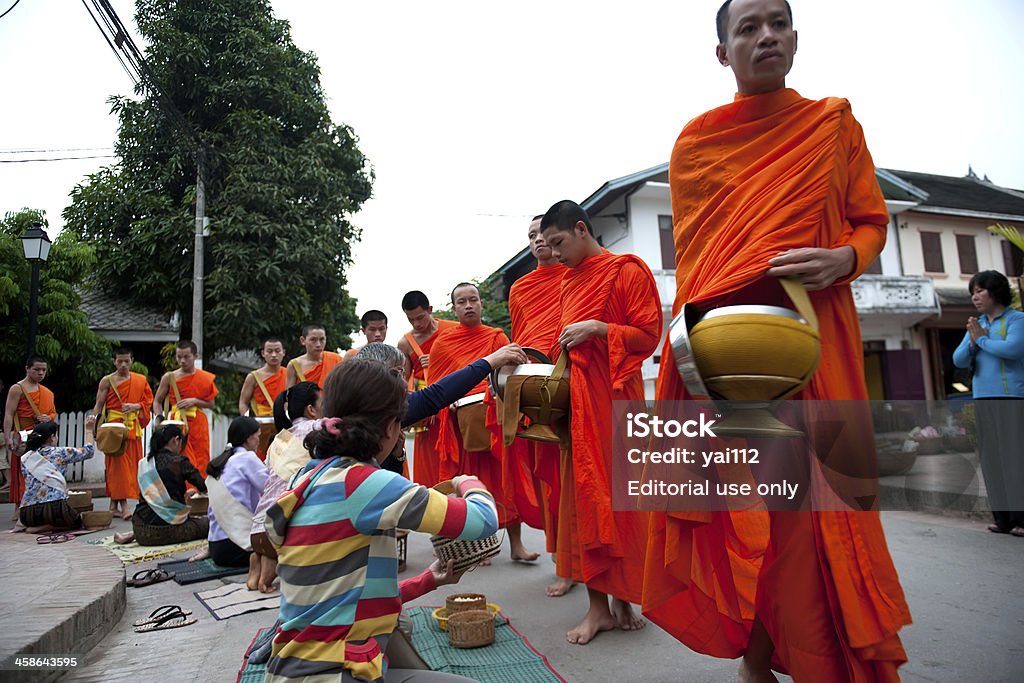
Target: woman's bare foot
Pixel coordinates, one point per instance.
(126, 537)
(625, 618)
(559, 588)
(201, 555)
(268, 572)
(252, 581)
(594, 621)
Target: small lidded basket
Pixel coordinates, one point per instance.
(472, 628)
(464, 554)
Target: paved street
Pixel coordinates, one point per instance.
(959, 579)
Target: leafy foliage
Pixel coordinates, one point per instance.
(281, 180)
(77, 356)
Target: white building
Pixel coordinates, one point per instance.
(909, 314)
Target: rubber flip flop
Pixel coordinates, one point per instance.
(994, 528)
(1017, 531)
(173, 619)
(160, 612)
(148, 577)
(54, 538)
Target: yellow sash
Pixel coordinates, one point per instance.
(130, 420)
(258, 409)
(298, 371)
(175, 413)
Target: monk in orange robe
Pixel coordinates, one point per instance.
(124, 397)
(610, 323)
(28, 403)
(768, 186)
(183, 395)
(316, 363)
(454, 349)
(416, 345)
(260, 389)
(534, 308)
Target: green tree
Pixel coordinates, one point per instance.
(77, 356)
(281, 179)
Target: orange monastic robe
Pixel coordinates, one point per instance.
(596, 545)
(318, 373)
(25, 418)
(454, 349)
(750, 179)
(426, 459)
(123, 470)
(263, 403)
(534, 307)
(199, 384)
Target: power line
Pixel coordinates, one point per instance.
(49, 151)
(25, 161)
(9, 9)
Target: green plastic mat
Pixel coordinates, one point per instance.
(186, 572)
(510, 659)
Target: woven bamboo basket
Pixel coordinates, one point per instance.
(199, 505)
(441, 614)
(80, 500)
(471, 629)
(99, 519)
(464, 554)
(464, 602)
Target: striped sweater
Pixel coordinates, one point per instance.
(338, 562)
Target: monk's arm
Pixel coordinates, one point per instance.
(865, 208)
(640, 333)
(101, 396)
(161, 394)
(245, 396)
(289, 376)
(9, 409)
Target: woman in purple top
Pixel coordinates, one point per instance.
(235, 481)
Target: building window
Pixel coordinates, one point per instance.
(1013, 259)
(968, 255)
(668, 245)
(931, 246)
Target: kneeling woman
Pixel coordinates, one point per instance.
(161, 517)
(44, 507)
(235, 480)
(335, 534)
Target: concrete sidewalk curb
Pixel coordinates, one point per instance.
(67, 597)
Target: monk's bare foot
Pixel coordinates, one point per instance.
(268, 572)
(750, 674)
(521, 554)
(625, 617)
(126, 537)
(201, 555)
(592, 624)
(559, 588)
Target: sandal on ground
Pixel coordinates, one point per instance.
(161, 612)
(54, 538)
(996, 529)
(148, 577)
(174, 618)
(1017, 531)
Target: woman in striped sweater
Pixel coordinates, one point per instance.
(334, 530)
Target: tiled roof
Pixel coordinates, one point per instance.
(966, 193)
(108, 313)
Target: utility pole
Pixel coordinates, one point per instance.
(197, 264)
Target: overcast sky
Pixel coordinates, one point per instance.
(476, 116)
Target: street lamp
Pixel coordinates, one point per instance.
(36, 244)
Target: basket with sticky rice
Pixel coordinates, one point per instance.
(539, 390)
(463, 554)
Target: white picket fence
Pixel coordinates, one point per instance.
(72, 433)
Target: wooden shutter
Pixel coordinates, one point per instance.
(967, 253)
(1013, 259)
(931, 246)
